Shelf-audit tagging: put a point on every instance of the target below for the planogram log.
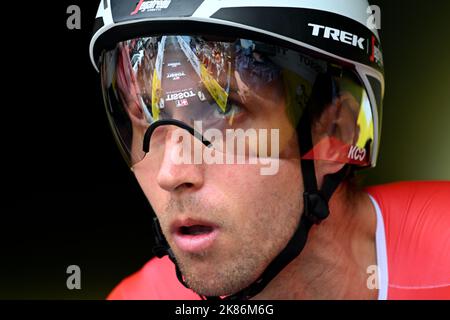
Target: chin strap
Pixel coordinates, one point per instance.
(314, 212)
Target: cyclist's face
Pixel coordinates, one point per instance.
(224, 222)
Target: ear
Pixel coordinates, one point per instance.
(335, 128)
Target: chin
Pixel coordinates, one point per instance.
(213, 288)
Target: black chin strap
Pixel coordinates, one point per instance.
(315, 210)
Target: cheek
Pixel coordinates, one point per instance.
(252, 195)
(145, 174)
(266, 209)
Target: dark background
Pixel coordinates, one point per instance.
(68, 197)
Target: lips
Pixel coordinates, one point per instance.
(194, 236)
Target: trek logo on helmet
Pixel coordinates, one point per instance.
(338, 35)
(151, 6)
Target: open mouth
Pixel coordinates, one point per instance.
(195, 230)
(194, 237)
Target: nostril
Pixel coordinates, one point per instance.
(185, 186)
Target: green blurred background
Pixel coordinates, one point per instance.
(415, 142)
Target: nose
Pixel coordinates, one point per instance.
(176, 177)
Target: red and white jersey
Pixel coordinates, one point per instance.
(412, 243)
(413, 239)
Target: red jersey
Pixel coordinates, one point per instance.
(412, 244)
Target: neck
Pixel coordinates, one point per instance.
(334, 262)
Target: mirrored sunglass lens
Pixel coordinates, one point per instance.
(245, 97)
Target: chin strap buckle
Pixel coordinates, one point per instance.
(316, 207)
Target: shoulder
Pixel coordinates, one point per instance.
(418, 192)
(410, 200)
(156, 280)
(413, 204)
(417, 229)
